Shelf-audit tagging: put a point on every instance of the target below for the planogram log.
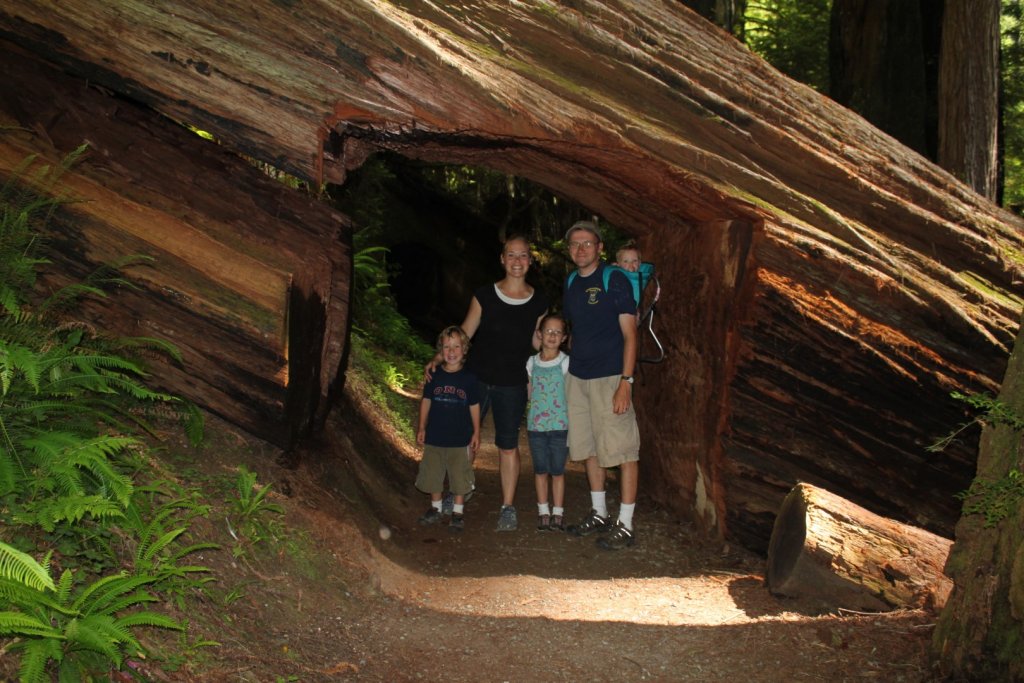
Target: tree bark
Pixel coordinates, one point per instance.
(824, 287)
(969, 93)
(827, 548)
(979, 633)
(248, 278)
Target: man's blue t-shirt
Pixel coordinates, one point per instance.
(597, 342)
(449, 423)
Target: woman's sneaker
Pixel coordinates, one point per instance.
(543, 522)
(507, 520)
(619, 538)
(591, 523)
(557, 523)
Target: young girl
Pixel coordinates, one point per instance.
(547, 424)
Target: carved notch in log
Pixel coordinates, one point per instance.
(827, 548)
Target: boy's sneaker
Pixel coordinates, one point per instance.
(431, 516)
(557, 523)
(456, 524)
(543, 522)
(591, 523)
(619, 538)
(447, 503)
(508, 521)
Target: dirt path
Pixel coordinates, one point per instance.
(544, 606)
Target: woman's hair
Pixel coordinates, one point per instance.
(453, 331)
(517, 238)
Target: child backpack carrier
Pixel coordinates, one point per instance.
(645, 321)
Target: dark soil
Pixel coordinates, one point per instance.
(357, 590)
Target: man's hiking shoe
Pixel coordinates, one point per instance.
(619, 538)
(508, 520)
(543, 522)
(557, 523)
(591, 523)
(447, 504)
(456, 524)
(431, 516)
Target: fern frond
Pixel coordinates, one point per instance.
(23, 568)
(150, 619)
(145, 553)
(96, 633)
(20, 624)
(74, 509)
(35, 654)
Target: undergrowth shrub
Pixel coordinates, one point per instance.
(74, 408)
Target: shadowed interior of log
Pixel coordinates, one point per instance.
(787, 540)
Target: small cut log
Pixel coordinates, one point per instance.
(826, 548)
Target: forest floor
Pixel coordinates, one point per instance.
(352, 588)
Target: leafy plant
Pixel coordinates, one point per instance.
(990, 411)
(250, 506)
(996, 500)
(81, 631)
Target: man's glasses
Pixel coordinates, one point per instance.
(586, 244)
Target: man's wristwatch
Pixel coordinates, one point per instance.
(628, 379)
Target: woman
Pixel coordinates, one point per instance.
(502, 322)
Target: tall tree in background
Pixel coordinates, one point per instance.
(727, 14)
(793, 36)
(881, 65)
(969, 93)
(1011, 133)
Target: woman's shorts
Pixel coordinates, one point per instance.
(549, 451)
(508, 406)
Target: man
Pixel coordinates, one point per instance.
(602, 423)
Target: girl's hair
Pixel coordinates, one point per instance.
(552, 316)
(453, 331)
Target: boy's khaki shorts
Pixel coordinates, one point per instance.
(436, 461)
(594, 429)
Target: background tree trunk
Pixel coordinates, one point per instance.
(878, 65)
(969, 93)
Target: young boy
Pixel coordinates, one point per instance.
(449, 423)
(628, 257)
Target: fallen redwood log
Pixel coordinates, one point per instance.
(825, 547)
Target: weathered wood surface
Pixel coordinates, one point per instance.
(237, 258)
(978, 635)
(826, 548)
(824, 287)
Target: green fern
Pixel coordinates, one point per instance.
(78, 631)
(23, 569)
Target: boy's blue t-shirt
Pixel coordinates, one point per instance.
(449, 423)
(597, 343)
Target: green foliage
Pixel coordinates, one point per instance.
(72, 404)
(792, 35)
(249, 509)
(82, 629)
(995, 500)
(1012, 71)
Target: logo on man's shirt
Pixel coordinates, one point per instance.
(592, 293)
